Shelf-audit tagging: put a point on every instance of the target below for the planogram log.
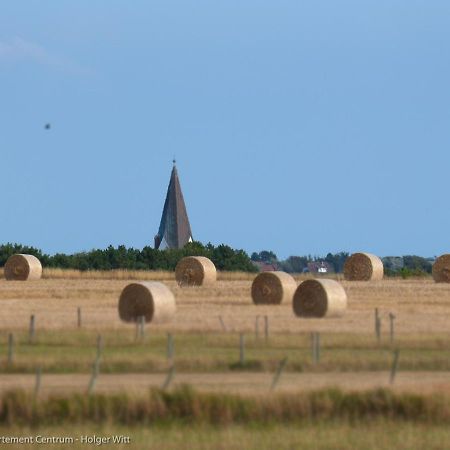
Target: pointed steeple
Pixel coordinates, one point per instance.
(174, 229)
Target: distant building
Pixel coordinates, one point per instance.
(320, 267)
(174, 229)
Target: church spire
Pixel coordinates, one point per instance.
(174, 229)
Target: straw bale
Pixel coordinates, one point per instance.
(320, 298)
(195, 271)
(23, 267)
(273, 288)
(363, 267)
(151, 299)
(441, 269)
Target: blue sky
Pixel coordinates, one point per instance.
(302, 127)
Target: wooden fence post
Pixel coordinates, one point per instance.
(170, 348)
(391, 318)
(95, 372)
(10, 348)
(79, 317)
(266, 328)
(142, 326)
(242, 349)
(169, 378)
(317, 347)
(222, 323)
(136, 336)
(377, 325)
(394, 366)
(37, 386)
(99, 346)
(32, 330)
(277, 376)
(313, 338)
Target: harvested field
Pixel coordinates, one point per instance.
(380, 435)
(205, 333)
(124, 274)
(73, 351)
(241, 382)
(420, 306)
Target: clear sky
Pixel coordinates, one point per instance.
(298, 126)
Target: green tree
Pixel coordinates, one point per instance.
(266, 256)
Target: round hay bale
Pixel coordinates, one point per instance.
(320, 298)
(441, 269)
(363, 267)
(23, 268)
(195, 271)
(273, 288)
(151, 299)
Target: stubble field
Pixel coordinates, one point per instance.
(420, 305)
(206, 334)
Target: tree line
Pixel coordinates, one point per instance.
(223, 256)
(405, 266)
(299, 264)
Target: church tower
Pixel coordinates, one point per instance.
(174, 229)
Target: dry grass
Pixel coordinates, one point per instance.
(376, 435)
(118, 274)
(420, 306)
(162, 275)
(187, 405)
(123, 274)
(73, 351)
(247, 383)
